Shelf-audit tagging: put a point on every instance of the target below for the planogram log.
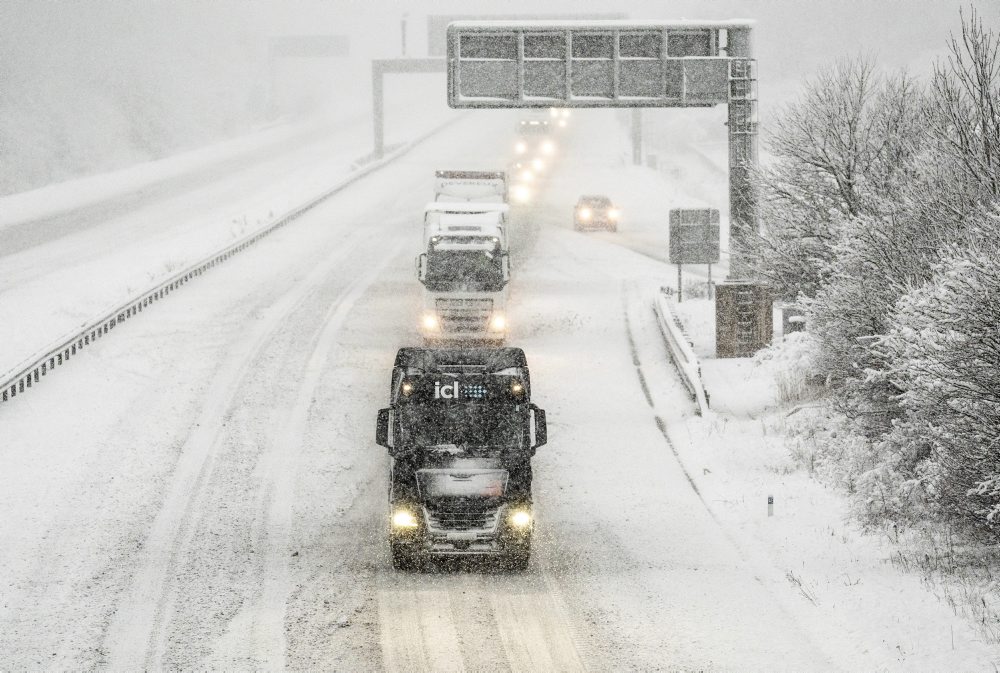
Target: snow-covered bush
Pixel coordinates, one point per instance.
(791, 362)
(943, 354)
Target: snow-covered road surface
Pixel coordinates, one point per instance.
(203, 491)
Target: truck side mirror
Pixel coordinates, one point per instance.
(382, 435)
(541, 430)
(422, 267)
(505, 266)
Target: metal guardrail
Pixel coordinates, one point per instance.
(24, 376)
(681, 352)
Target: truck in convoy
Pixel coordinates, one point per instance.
(470, 203)
(461, 430)
(466, 264)
(534, 138)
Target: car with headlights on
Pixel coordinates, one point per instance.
(595, 211)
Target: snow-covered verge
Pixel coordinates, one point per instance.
(60, 197)
(753, 467)
(126, 231)
(94, 86)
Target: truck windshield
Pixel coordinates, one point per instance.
(468, 424)
(464, 271)
(462, 483)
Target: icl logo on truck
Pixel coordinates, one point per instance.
(453, 391)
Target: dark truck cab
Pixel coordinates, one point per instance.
(461, 431)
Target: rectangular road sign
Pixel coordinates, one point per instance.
(506, 64)
(437, 24)
(694, 236)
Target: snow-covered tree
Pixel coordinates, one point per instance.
(894, 242)
(844, 150)
(943, 354)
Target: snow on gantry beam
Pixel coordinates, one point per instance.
(518, 64)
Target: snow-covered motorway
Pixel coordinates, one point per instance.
(203, 491)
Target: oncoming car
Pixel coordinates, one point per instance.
(595, 212)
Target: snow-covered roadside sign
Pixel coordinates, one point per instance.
(694, 236)
(508, 64)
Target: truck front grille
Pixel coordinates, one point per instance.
(455, 521)
(464, 315)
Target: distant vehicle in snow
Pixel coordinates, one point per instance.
(461, 430)
(595, 212)
(534, 138)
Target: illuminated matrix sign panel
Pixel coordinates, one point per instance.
(596, 64)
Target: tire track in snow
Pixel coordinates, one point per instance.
(417, 629)
(266, 614)
(136, 636)
(628, 293)
(474, 620)
(535, 630)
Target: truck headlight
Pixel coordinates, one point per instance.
(521, 193)
(521, 147)
(403, 518)
(520, 518)
(537, 164)
(613, 214)
(430, 321)
(498, 322)
(585, 213)
(548, 147)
